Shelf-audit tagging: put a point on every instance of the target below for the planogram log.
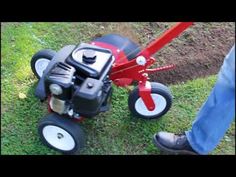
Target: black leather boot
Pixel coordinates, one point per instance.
(173, 143)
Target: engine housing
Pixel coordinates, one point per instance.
(81, 84)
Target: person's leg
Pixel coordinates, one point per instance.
(213, 119)
(217, 113)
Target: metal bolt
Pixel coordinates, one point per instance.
(60, 136)
(145, 74)
(70, 112)
(90, 85)
(76, 115)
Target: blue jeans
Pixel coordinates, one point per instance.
(218, 112)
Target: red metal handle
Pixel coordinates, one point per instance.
(165, 38)
(134, 71)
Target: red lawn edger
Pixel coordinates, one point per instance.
(77, 82)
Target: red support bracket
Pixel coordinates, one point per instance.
(145, 93)
(137, 68)
(133, 70)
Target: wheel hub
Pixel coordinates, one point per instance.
(41, 65)
(160, 104)
(60, 136)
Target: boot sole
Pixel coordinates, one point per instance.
(172, 151)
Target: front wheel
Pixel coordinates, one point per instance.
(161, 96)
(61, 134)
(40, 61)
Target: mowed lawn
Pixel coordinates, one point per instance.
(113, 132)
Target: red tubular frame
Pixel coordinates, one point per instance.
(139, 73)
(165, 38)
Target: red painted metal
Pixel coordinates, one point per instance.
(125, 71)
(79, 120)
(165, 38)
(145, 93)
(119, 55)
(131, 70)
(163, 68)
(120, 58)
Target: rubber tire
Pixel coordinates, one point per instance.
(45, 53)
(69, 126)
(157, 88)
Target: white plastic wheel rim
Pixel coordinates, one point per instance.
(160, 105)
(40, 65)
(58, 138)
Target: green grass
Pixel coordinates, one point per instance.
(113, 132)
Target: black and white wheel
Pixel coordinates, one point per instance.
(61, 134)
(161, 96)
(40, 61)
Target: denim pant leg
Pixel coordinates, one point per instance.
(218, 112)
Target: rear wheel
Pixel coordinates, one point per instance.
(161, 96)
(40, 61)
(61, 134)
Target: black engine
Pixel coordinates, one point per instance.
(80, 86)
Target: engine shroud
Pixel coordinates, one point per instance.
(84, 80)
(91, 64)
